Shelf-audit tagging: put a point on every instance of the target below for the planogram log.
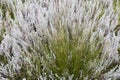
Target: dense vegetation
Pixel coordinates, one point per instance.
(59, 40)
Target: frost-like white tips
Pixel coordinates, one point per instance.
(33, 27)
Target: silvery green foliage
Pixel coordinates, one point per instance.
(36, 20)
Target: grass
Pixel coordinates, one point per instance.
(2, 31)
(5, 8)
(62, 56)
(68, 54)
(65, 55)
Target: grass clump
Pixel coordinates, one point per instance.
(58, 40)
(63, 56)
(72, 55)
